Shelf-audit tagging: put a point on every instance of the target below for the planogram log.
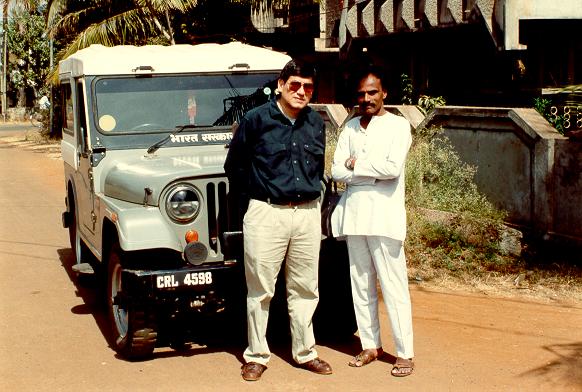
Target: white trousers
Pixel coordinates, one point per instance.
(271, 234)
(374, 258)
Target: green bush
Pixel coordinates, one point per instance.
(544, 107)
(427, 103)
(451, 224)
(406, 90)
(437, 179)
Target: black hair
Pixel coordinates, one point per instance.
(297, 68)
(370, 69)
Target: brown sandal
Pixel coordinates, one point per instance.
(402, 367)
(365, 357)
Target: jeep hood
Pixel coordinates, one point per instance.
(129, 174)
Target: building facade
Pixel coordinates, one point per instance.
(471, 52)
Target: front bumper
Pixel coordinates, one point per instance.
(204, 287)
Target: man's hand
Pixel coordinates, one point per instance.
(350, 163)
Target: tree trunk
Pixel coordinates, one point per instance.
(21, 97)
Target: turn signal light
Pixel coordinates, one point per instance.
(191, 235)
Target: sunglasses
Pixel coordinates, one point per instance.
(296, 86)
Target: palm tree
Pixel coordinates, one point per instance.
(111, 22)
(8, 4)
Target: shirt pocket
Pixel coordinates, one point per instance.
(313, 158)
(272, 158)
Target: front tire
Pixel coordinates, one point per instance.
(81, 252)
(74, 237)
(133, 329)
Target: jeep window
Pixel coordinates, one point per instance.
(162, 103)
(67, 113)
(82, 122)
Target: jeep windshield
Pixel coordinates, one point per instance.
(161, 103)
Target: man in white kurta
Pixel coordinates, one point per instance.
(370, 158)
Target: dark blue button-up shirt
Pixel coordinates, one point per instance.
(269, 157)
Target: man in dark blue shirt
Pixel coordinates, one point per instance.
(276, 162)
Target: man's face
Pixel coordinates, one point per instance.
(371, 96)
(296, 92)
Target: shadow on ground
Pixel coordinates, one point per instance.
(213, 335)
(566, 367)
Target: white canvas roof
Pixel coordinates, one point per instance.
(124, 59)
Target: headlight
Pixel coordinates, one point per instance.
(183, 203)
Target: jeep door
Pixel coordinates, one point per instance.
(77, 155)
(85, 176)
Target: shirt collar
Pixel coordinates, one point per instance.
(275, 112)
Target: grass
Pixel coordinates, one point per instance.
(456, 236)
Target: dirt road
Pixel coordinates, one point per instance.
(52, 329)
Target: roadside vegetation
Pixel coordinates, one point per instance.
(451, 225)
(457, 238)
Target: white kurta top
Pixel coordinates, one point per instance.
(373, 203)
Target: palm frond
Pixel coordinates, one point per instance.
(70, 22)
(126, 28)
(167, 5)
(25, 4)
(110, 22)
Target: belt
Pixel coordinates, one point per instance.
(286, 203)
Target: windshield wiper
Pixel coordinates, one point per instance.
(154, 147)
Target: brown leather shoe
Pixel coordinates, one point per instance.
(317, 365)
(252, 371)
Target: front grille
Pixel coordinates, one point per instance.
(216, 206)
(224, 212)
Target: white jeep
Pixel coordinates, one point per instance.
(144, 139)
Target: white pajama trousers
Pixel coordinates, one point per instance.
(272, 234)
(374, 258)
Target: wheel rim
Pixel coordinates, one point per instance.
(119, 314)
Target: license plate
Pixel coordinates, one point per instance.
(183, 279)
